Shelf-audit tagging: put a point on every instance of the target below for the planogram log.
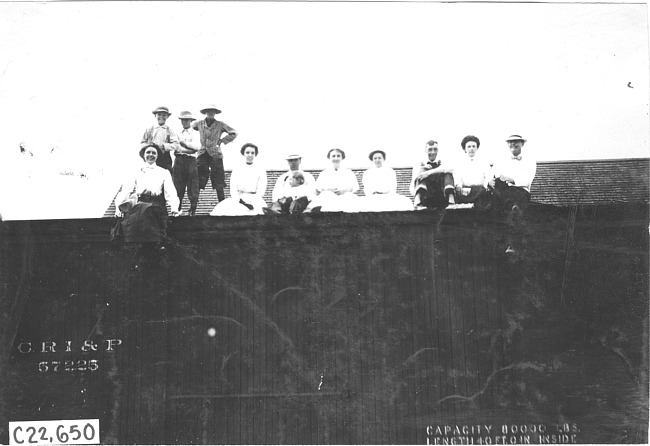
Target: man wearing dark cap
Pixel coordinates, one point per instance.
(210, 156)
(185, 173)
(161, 137)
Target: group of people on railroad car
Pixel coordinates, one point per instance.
(469, 180)
(473, 179)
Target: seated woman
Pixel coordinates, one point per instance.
(471, 174)
(143, 199)
(336, 187)
(380, 187)
(247, 187)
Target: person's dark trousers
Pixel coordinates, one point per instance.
(212, 168)
(511, 201)
(298, 205)
(165, 161)
(433, 190)
(505, 197)
(186, 176)
(288, 205)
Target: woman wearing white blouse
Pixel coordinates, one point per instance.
(151, 184)
(143, 200)
(380, 187)
(247, 187)
(336, 187)
(471, 174)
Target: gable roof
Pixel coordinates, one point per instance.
(558, 183)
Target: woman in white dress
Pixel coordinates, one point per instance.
(247, 187)
(380, 187)
(336, 187)
(471, 174)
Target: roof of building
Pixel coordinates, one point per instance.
(558, 183)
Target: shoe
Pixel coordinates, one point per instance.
(516, 211)
(509, 250)
(420, 207)
(269, 211)
(316, 210)
(192, 211)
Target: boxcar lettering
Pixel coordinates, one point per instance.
(25, 347)
(89, 345)
(112, 343)
(48, 346)
(558, 439)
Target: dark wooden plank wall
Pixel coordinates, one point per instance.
(338, 329)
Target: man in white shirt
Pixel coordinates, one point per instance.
(185, 173)
(279, 189)
(513, 177)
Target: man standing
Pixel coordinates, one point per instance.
(294, 165)
(210, 156)
(185, 173)
(432, 185)
(161, 137)
(513, 177)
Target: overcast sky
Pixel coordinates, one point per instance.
(307, 77)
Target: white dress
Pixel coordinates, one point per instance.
(380, 190)
(331, 179)
(247, 183)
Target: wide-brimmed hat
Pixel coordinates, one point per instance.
(145, 148)
(210, 107)
(186, 115)
(293, 156)
(376, 151)
(162, 110)
(516, 138)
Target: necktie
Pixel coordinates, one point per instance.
(518, 157)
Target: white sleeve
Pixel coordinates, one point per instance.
(352, 181)
(261, 184)
(234, 184)
(170, 191)
(524, 176)
(392, 181)
(278, 189)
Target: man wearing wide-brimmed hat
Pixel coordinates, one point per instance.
(294, 161)
(185, 173)
(513, 176)
(161, 137)
(210, 157)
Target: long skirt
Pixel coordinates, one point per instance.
(330, 202)
(146, 221)
(386, 203)
(232, 207)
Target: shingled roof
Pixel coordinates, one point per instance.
(558, 183)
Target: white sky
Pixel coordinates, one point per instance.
(308, 77)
